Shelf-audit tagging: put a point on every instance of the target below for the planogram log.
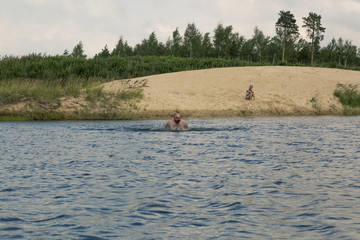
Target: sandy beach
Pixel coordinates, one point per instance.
(279, 91)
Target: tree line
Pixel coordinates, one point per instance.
(193, 50)
(286, 47)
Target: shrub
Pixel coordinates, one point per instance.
(348, 95)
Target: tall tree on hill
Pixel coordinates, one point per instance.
(122, 49)
(339, 50)
(350, 53)
(260, 43)
(303, 50)
(207, 48)
(78, 51)
(274, 49)
(192, 41)
(148, 47)
(236, 44)
(105, 53)
(153, 45)
(222, 40)
(328, 53)
(314, 31)
(176, 43)
(287, 28)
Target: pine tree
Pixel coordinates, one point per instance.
(287, 27)
(314, 31)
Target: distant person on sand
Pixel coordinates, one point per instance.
(176, 124)
(250, 95)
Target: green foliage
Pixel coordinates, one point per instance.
(148, 47)
(223, 44)
(105, 53)
(260, 44)
(122, 49)
(193, 41)
(60, 68)
(33, 115)
(136, 93)
(8, 118)
(175, 44)
(66, 53)
(64, 70)
(349, 95)
(94, 93)
(223, 37)
(314, 31)
(287, 29)
(78, 51)
(315, 103)
(14, 91)
(287, 24)
(41, 99)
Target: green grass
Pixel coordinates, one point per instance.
(315, 103)
(13, 118)
(31, 115)
(94, 94)
(17, 90)
(348, 95)
(41, 99)
(130, 94)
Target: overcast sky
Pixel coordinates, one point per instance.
(51, 26)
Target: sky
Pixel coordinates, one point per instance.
(51, 26)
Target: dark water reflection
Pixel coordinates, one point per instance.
(256, 178)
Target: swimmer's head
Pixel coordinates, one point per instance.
(177, 118)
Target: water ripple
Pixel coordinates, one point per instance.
(255, 178)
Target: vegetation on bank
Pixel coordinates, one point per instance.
(66, 70)
(41, 81)
(41, 99)
(349, 97)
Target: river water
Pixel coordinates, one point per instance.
(241, 178)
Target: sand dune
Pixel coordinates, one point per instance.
(279, 91)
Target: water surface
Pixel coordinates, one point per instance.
(255, 178)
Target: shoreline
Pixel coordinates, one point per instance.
(209, 93)
(186, 115)
(220, 92)
(163, 115)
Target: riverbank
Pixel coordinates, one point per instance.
(220, 92)
(279, 91)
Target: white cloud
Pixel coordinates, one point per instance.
(351, 5)
(36, 2)
(45, 26)
(101, 9)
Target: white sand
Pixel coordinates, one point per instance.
(221, 92)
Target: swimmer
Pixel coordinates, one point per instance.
(176, 124)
